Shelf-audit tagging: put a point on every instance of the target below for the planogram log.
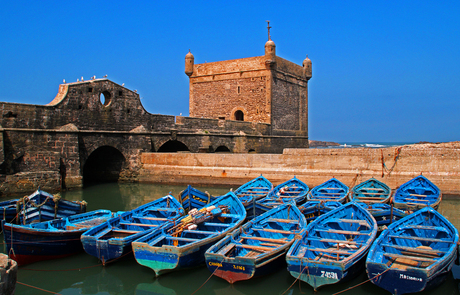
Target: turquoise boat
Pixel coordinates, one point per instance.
(251, 191)
(191, 198)
(371, 191)
(182, 244)
(331, 190)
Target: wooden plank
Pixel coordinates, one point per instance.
(274, 230)
(182, 239)
(416, 250)
(416, 258)
(199, 232)
(126, 231)
(280, 241)
(139, 224)
(256, 248)
(335, 251)
(151, 218)
(345, 232)
(337, 241)
(360, 222)
(419, 200)
(283, 220)
(372, 189)
(422, 239)
(436, 228)
(226, 249)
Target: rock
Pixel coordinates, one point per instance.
(316, 143)
(8, 275)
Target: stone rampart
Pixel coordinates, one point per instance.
(394, 166)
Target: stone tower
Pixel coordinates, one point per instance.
(262, 89)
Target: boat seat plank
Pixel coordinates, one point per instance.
(280, 241)
(335, 251)
(422, 239)
(416, 258)
(416, 250)
(337, 188)
(337, 241)
(283, 220)
(126, 231)
(230, 215)
(138, 224)
(274, 230)
(418, 200)
(182, 239)
(256, 248)
(217, 224)
(152, 218)
(226, 249)
(436, 228)
(345, 232)
(359, 221)
(377, 194)
(372, 189)
(203, 232)
(419, 195)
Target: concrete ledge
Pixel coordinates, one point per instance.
(8, 275)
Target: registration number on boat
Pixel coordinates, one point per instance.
(329, 274)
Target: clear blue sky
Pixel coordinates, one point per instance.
(383, 71)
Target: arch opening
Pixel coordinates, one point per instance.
(222, 149)
(239, 115)
(103, 165)
(173, 146)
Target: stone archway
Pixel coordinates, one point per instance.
(103, 165)
(173, 146)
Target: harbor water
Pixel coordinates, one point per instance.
(84, 274)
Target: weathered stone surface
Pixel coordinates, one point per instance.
(438, 162)
(8, 275)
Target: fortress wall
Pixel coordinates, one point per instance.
(313, 166)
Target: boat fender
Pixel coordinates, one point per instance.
(192, 212)
(192, 227)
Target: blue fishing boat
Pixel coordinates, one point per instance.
(331, 190)
(112, 239)
(417, 193)
(49, 239)
(252, 191)
(384, 214)
(183, 244)
(258, 247)
(293, 190)
(334, 246)
(414, 254)
(193, 198)
(371, 191)
(312, 209)
(39, 206)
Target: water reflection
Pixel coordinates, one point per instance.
(83, 274)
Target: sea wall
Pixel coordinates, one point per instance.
(438, 162)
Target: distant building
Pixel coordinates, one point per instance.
(262, 89)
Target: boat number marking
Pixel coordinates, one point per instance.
(329, 274)
(406, 277)
(238, 267)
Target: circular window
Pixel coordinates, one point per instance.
(105, 98)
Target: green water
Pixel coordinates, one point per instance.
(83, 274)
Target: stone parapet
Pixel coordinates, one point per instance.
(8, 275)
(394, 166)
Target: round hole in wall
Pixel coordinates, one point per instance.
(105, 98)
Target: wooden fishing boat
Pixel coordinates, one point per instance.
(49, 239)
(417, 193)
(193, 198)
(183, 244)
(112, 239)
(384, 214)
(312, 209)
(252, 191)
(414, 254)
(331, 190)
(334, 246)
(371, 191)
(293, 190)
(258, 247)
(39, 206)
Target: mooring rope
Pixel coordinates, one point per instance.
(306, 266)
(395, 159)
(206, 280)
(362, 282)
(38, 288)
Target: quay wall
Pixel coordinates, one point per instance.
(438, 162)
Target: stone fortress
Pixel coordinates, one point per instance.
(97, 130)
